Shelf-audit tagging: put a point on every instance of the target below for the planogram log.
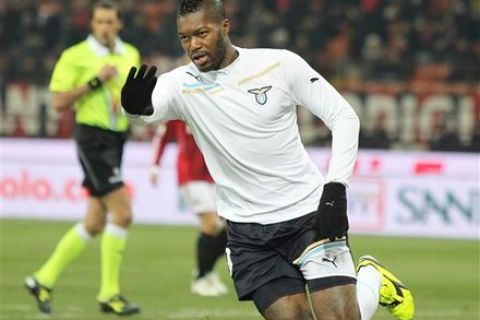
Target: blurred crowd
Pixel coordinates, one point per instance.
(347, 41)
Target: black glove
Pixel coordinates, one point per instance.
(137, 91)
(332, 220)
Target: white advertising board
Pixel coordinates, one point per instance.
(397, 193)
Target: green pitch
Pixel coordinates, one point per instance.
(443, 275)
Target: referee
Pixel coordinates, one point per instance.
(89, 75)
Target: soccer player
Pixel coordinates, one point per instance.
(287, 223)
(198, 191)
(90, 75)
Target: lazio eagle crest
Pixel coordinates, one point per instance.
(260, 94)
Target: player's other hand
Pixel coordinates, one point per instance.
(153, 175)
(137, 90)
(332, 220)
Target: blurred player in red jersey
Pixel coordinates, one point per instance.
(198, 191)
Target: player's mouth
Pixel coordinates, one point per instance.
(201, 58)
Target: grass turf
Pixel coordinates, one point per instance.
(443, 274)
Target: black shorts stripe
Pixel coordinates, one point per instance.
(88, 168)
(329, 282)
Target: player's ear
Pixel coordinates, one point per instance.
(119, 24)
(225, 26)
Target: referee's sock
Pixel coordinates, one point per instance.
(68, 248)
(114, 240)
(209, 249)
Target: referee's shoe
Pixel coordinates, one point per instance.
(118, 305)
(42, 294)
(394, 295)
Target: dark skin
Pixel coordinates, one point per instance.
(205, 40)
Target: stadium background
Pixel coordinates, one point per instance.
(410, 68)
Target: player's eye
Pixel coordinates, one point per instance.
(184, 38)
(202, 34)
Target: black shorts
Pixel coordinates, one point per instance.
(261, 259)
(100, 153)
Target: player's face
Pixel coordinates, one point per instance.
(204, 39)
(105, 26)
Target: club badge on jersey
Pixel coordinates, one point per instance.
(260, 94)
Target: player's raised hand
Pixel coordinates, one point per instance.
(332, 220)
(153, 175)
(137, 91)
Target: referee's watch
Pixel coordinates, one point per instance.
(94, 83)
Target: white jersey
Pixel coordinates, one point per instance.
(243, 118)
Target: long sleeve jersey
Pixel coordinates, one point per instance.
(244, 120)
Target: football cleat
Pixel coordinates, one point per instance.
(209, 285)
(217, 282)
(42, 294)
(394, 295)
(118, 305)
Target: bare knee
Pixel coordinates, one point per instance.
(294, 307)
(292, 313)
(336, 303)
(122, 218)
(210, 223)
(96, 216)
(118, 204)
(94, 227)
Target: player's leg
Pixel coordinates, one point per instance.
(67, 250)
(332, 295)
(330, 272)
(112, 248)
(72, 243)
(96, 217)
(387, 289)
(101, 153)
(262, 273)
(211, 242)
(277, 300)
(113, 245)
(200, 198)
(328, 268)
(369, 284)
(114, 241)
(338, 302)
(74, 240)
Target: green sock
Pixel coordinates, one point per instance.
(113, 244)
(68, 248)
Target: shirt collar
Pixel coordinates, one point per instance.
(101, 50)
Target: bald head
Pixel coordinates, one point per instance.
(213, 7)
